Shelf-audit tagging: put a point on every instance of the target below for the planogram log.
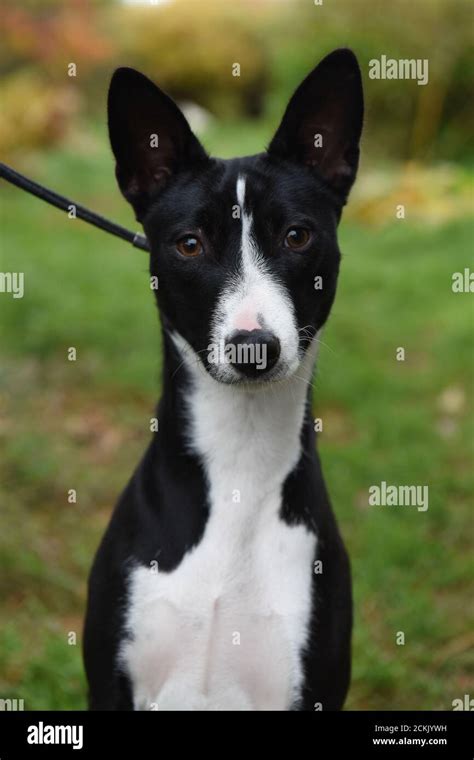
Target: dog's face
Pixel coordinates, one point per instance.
(245, 250)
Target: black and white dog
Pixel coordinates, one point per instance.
(222, 582)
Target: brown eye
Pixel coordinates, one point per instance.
(297, 237)
(189, 245)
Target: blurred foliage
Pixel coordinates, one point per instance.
(430, 194)
(32, 120)
(87, 423)
(403, 120)
(414, 423)
(189, 48)
(49, 34)
(40, 39)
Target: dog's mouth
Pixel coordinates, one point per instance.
(230, 378)
(248, 370)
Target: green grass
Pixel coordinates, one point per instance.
(84, 424)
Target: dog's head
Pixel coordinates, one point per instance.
(245, 250)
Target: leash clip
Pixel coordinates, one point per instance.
(140, 241)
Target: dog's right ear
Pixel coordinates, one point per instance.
(150, 138)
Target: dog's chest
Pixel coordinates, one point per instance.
(226, 628)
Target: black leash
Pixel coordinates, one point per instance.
(135, 238)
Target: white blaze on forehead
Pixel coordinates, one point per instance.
(241, 191)
(250, 254)
(255, 298)
(246, 318)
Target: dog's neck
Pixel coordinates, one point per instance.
(253, 435)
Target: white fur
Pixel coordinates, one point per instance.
(256, 294)
(248, 579)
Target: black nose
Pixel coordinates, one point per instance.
(253, 353)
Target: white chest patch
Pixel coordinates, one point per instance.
(225, 629)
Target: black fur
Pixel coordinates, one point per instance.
(176, 190)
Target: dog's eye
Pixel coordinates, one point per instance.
(189, 245)
(297, 237)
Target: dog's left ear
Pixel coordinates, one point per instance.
(322, 124)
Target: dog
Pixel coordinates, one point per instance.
(222, 581)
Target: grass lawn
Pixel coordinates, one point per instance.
(84, 424)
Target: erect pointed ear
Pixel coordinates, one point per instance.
(322, 124)
(150, 138)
